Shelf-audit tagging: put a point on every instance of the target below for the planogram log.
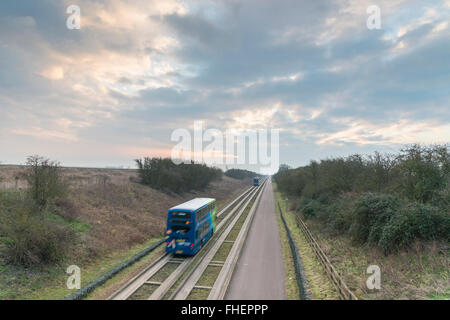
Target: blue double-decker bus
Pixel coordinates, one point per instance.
(256, 182)
(190, 225)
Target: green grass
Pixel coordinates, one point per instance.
(209, 276)
(78, 226)
(321, 286)
(440, 296)
(222, 253)
(74, 224)
(291, 286)
(49, 282)
(198, 294)
(164, 272)
(144, 292)
(6, 241)
(233, 234)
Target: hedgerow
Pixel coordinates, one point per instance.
(240, 174)
(394, 199)
(164, 174)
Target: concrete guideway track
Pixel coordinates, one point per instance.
(260, 274)
(190, 283)
(143, 277)
(222, 282)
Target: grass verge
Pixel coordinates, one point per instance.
(321, 286)
(113, 284)
(418, 273)
(49, 282)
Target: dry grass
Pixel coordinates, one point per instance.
(420, 272)
(120, 213)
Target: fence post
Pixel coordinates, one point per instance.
(344, 292)
(302, 281)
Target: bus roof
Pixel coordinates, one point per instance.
(193, 204)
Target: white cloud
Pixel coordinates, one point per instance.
(53, 73)
(45, 134)
(363, 132)
(137, 69)
(440, 27)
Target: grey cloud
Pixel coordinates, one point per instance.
(223, 45)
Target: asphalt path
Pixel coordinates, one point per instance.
(259, 273)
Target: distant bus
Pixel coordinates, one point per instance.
(190, 225)
(256, 182)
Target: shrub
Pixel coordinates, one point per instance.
(414, 221)
(45, 180)
(32, 237)
(340, 214)
(424, 171)
(442, 198)
(311, 209)
(372, 211)
(67, 209)
(339, 221)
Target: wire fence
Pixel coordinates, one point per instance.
(302, 281)
(344, 292)
(91, 286)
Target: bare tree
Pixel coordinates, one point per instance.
(45, 179)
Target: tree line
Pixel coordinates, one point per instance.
(164, 174)
(386, 200)
(240, 174)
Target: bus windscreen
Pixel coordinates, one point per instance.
(181, 214)
(180, 229)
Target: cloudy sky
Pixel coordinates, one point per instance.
(137, 70)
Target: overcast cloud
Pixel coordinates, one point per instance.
(137, 70)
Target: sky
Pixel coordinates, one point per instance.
(117, 88)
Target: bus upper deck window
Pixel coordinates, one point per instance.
(181, 214)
